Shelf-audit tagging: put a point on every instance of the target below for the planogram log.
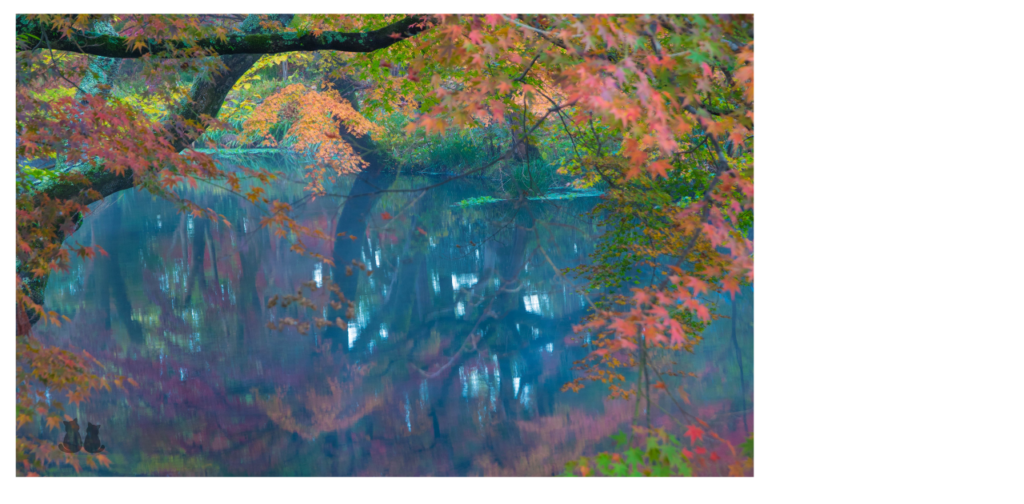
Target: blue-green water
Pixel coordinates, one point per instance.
(180, 305)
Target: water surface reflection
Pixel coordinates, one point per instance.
(451, 363)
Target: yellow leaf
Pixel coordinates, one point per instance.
(736, 469)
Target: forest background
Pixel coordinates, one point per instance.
(657, 109)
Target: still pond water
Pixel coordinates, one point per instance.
(180, 305)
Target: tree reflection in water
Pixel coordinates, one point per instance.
(451, 363)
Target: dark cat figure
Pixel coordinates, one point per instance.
(72, 438)
(92, 439)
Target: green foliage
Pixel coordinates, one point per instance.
(661, 456)
(748, 447)
(479, 200)
(532, 179)
(419, 151)
(52, 94)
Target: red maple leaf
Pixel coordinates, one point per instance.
(731, 286)
(628, 344)
(660, 167)
(693, 432)
(706, 69)
(660, 312)
(492, 19)
(678, 336)
(624, 328)
(640, 296)
(697, 285)
(703, 313)
(68, 227)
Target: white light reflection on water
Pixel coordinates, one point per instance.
(408, 421)
(353, 334)
(532, 303)
(466, 280)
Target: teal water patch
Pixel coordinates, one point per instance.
(242, 152)
(564, 195)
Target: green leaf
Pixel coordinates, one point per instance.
(685, 470)
(620, 469)
(604, 464)
(652, 443)
(675, 458)
(620, 440)
(634, 456)
(660, 471)
(748, 447)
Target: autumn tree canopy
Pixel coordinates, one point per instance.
(657, 108)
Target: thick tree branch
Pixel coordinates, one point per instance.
(206, 98)
(110, 46)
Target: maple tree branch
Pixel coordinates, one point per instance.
(235, 43)
(528, 67)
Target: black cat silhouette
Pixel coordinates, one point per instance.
(92, 439)
(72, 438)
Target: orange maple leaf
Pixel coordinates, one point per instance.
(660, 167)
(736, 470)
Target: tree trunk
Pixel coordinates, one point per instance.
(206, 98)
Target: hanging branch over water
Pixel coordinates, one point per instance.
(110, 46)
